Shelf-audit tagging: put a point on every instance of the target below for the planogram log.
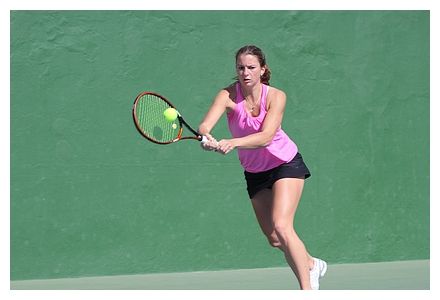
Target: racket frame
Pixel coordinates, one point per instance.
(197, 136)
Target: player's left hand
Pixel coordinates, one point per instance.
(226, 146)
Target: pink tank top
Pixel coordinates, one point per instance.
(282, 149)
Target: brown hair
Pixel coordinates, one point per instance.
(254, 50)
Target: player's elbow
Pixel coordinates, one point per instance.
(267, 138)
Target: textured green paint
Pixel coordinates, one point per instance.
(89, 196)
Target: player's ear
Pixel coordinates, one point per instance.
(263, 70)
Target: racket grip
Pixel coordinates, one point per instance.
(205, 140)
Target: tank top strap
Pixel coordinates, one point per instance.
(238, 96)
(264, 97)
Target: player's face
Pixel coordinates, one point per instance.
(249, 70)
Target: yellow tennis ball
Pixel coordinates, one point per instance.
(170, 114)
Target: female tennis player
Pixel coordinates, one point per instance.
(274, 169)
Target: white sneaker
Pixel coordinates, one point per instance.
(317, 272)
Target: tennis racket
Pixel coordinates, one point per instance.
(148, 116)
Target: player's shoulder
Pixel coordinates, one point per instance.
(227, 92)
(275, 93)
(230, 88)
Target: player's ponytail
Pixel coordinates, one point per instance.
(266, 76)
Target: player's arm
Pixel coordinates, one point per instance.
(218, 107)
(270, 126)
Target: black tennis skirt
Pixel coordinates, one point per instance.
(256, 182)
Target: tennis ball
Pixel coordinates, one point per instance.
(174, 126)
(170, 114)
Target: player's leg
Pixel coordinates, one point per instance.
(286, 196)
(262, 203)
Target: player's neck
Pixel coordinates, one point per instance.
(252, 93)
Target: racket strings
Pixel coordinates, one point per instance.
(151, 121)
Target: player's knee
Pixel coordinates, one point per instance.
(283, 230)
(274, 241)
(275, 244)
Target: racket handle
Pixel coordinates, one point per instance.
(205, 140)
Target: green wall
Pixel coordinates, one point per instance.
(90, 196)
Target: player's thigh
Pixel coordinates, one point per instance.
(262, 204)
(286, 195)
